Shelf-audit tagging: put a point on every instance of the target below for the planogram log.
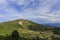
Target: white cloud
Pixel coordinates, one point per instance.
(41, 12)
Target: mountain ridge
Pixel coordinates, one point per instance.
(53, 24)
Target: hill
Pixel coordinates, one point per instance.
(26, 29)
(15, 24)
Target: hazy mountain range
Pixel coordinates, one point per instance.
(53, 24)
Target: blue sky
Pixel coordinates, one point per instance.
(40, 11)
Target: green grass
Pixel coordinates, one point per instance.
(29, 29)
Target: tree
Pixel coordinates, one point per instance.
(15, 35)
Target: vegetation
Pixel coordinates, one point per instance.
(27, 30)
(56, 31)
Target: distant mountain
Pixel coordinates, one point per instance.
(53, 24)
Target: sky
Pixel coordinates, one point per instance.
(40, 11)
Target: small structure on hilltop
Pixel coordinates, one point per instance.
(21, 23)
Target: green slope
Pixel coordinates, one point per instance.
(26, 28)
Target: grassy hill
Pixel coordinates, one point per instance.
(26, 29)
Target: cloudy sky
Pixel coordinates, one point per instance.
(40, 11)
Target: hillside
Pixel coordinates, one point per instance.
(16, 24)
(26, 29)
